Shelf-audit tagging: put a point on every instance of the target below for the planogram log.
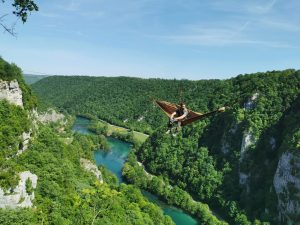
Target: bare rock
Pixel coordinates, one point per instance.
(91, 167)
(11, 92)
(50, 116)
(25, 141)
(247, 141)
(19, 197)
(287, 186)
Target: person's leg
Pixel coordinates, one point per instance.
(179, 126)
(170, 125)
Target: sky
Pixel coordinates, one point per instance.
(181, 39)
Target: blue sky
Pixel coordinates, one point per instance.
(183, 39)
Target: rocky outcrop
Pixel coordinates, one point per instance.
(10, 91)
(243, 178)
(272, 142)
(287, 186)
(225, 147)
(247, 141)
(91, 167)
(248, 138)
(50, 116)
(25, 141)
(250, 104)
(20, 196)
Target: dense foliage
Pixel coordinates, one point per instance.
(228, 160)
(173, 195)
(66, 194)
(13, 122)
(128, 135)
(126, 101)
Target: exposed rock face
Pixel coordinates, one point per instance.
(25, 140)
(287, 186)
(91, 167)
(50, 116)
(20, 197)
(233, 129)
(225, 147)
(11, 92)
(243, 178)
(246, 143)
(251, 103)
(272, 142)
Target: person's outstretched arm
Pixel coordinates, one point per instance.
(182, 116)
(172, 115)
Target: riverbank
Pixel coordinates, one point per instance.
(134, 173)
(114, 161)
(99, 126)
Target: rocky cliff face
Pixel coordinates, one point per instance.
(91, 167)
(20, 196)
(287, 186)
(50, 116)
(26, 136)
(11, 92)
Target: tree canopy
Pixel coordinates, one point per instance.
(209, 159)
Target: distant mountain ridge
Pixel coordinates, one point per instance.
(32, 78)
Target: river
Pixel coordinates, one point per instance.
(114, 161)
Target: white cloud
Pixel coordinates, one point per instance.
(48, 14)
(253, 7)
(262, 8)
(220, 39)
(279, 25)
(222, 34)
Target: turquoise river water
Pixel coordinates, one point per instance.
(114, 161)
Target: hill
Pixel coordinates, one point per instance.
(31, 78)
(242, 162)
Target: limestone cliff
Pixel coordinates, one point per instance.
(50, 116)
(91, 167)
(10, 91)
(20, 197)
(287, 186)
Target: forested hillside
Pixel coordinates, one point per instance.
(129, 101)
(242, 162)
(43, 179)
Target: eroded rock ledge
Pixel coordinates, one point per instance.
(10, 91)
(20, 196)
(91, 167)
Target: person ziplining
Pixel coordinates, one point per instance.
(176, 117)
(180, 115)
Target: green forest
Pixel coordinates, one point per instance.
(209, 159)
(98, 150)
(65, 192)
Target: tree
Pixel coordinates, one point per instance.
(22, 8)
